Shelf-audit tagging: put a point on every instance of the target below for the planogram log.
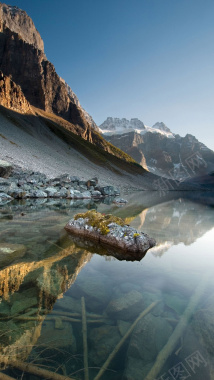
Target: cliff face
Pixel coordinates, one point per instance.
(11, 95)
(19, 22)
(37, 77)
(22, 57)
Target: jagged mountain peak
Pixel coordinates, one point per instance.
(161, 126)
(121, 125)
(19, 22)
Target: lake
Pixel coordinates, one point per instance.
(72, 309)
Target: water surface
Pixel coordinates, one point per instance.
(45, 277)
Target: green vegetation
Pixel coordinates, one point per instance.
(136, 235)
(101, 221)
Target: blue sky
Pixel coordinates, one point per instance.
(151, 59)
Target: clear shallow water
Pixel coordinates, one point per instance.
(42, 287)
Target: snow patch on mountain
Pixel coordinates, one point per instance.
(117, 126)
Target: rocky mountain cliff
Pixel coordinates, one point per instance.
(158, 149)
(11, 95)
(22, 57)
(18, 21)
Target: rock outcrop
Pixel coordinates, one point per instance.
(11, 95)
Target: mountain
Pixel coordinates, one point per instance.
(159, 150)
(22, 58)
(41, 115)
(43, 126)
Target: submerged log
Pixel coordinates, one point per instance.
(110, 231)
(85, 344)
(179, 330)
(33, 369)
(121, 342)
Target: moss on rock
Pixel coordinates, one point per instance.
(101, 221)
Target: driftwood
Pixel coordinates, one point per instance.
(84, 334)
(181, 326)
(120, 343)
(33, 369)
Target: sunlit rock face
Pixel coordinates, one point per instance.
(22, 57)
(11, 95)
(19, 22)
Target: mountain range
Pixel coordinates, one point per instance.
(158, 149)
(43, 126)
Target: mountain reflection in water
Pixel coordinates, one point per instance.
(41, 291)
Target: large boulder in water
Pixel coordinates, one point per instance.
(109, 230)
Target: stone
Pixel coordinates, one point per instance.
(69, 304)
(77, 194)
(74, 179)
(126, 287)
(63, 192)
(4, 308)
(123, 326)
(58, 323)
(203, 324)
(86, 194)
(51, 191)
(54, 338)
(95, 286)
(192, 344)
(112, 231)
(17, 193)
(120, 201)
(5, 197)
(5, 167)
(147, 339)
(23, 304)
(117, 191)
(149, 336)
(136, 370)
(126, 307)
(92, 182)
(96, 194)
(176, 303)
(39, 194)
(70, 194)
(102, 339)
(107, 190)
(10, 252)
